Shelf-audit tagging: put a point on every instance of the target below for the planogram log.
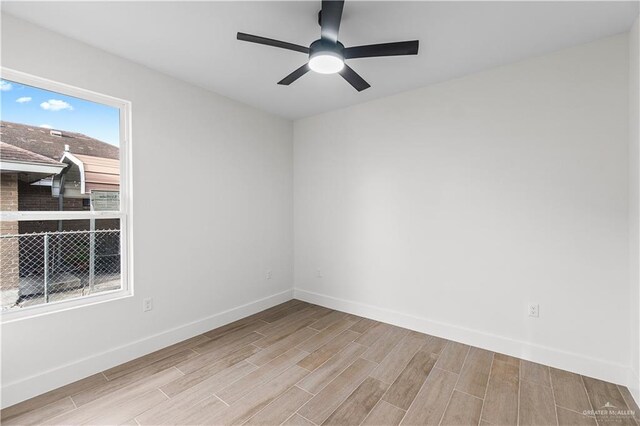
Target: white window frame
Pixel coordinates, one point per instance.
(124, 214)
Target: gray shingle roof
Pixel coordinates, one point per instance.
(40, 141)
(13, 153)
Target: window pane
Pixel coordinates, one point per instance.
(59, 153)
(48, 261)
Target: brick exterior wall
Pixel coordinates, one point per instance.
(34, 198)
(9, 261)
(39, 198)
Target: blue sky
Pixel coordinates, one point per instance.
(37, 107)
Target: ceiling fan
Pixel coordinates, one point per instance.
(327, 54)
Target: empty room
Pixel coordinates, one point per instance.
(320, 213)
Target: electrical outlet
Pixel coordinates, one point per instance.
(318, 273)
(147, 304)
(269, 274)
(534, 310)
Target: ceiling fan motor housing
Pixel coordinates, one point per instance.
(325, 47)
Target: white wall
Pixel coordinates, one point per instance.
(634, 207)
(450, 208)
(212, 212)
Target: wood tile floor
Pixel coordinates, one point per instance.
(302, 364)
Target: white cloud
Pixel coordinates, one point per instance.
(46, 126)
(55, 105)
(5, 86)
(23, 99)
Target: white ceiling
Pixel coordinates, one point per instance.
(195, 41)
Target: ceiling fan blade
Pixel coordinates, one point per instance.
(383, 49)
(330, 18)
(354, 79)
(271, 42)
(295, 75)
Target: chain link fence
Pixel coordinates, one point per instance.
(58, 265)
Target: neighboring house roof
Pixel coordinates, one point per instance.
(91, 165)
(15, 154)
(29, 164)
(41, 141)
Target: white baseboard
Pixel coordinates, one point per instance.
(21, 390)
(577, 363)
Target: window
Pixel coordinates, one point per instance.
(65, 196)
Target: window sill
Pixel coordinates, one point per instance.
(28, 312)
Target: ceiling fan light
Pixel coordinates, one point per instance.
(326, 63)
